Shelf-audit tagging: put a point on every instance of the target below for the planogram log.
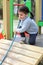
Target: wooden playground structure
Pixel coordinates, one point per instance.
(8, 15)
(19, 54)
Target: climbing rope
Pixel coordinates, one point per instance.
(7, 51)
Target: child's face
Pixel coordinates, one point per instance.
(22, 15)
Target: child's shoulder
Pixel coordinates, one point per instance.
(29, 19)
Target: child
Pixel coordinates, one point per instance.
(27, 24)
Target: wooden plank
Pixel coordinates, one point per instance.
(1, 56)
(6, 64)
(24, 46)
(30, 47)
(9, 61)
(5, 41)
(13, 54)
(20, 57)
(25, 52)
(32, 53)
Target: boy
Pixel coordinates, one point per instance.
(27, 24)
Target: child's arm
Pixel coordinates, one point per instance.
(24, 27)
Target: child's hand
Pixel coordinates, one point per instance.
(15, 32)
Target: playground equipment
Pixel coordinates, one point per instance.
(8, 15)
(21, 54)
(35, 55)
(11, 18)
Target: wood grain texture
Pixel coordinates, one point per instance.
(20, 54)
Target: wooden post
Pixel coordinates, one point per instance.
(38, 10)
(6, 18)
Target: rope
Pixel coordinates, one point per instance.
(8, 51)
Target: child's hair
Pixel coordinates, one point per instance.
(25, 10)
(31, 15)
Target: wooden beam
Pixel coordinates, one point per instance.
(38, 10)
(6, 18)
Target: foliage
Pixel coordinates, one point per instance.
(1, 3)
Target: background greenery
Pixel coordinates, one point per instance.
(1, 3)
